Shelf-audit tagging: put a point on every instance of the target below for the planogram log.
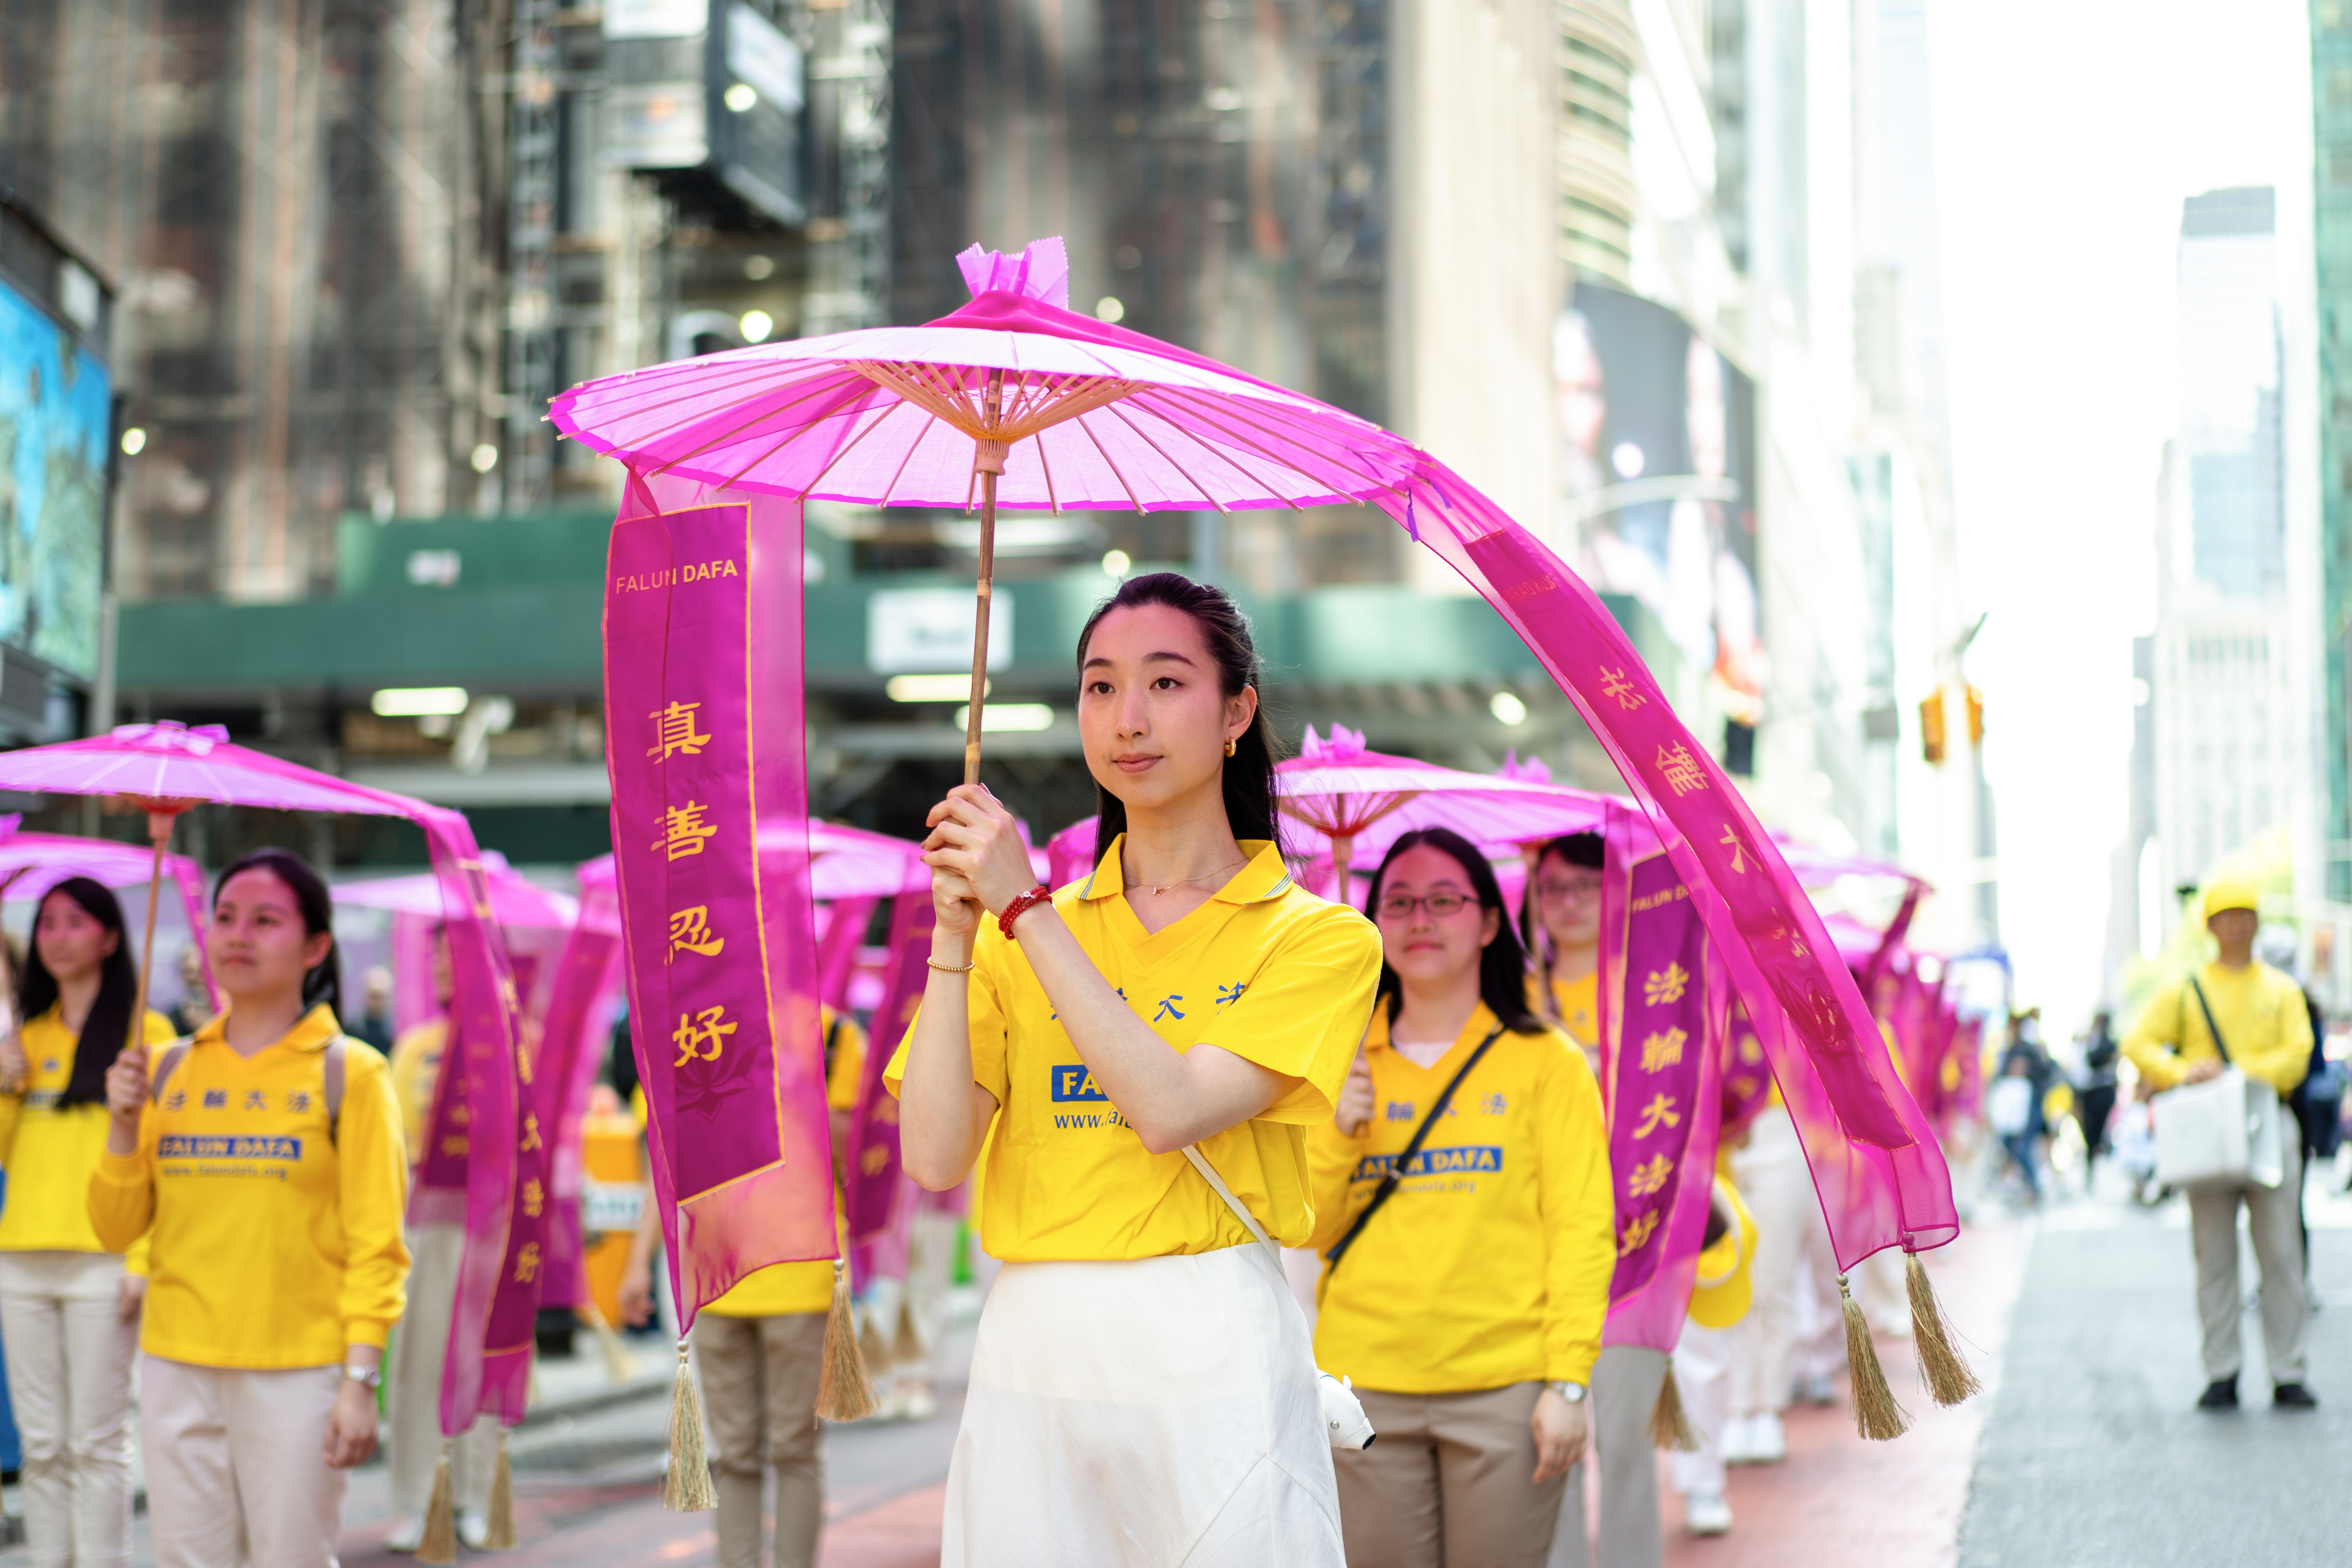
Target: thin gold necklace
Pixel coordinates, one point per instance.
(1184, 881)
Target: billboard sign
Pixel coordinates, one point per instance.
(1658, 482)
(57, 424)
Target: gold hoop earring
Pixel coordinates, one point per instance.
(1229, 748)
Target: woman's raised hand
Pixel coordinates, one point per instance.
(1355, 1099)
(977, 860)
(126, 1087)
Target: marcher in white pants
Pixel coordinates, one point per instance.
(68, 1309)
(1771, 1175)
(420, 1348)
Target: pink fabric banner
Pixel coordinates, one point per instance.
(1873, 1154)
(1662, 1001)
(586, 985)
(704, 743)
(873, 1175)
(1747, 1080)
(844, 927)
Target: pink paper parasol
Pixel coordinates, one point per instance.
(1014, 396)
(515, 900)
(32, 863)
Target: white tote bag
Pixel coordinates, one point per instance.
(2222, 1132)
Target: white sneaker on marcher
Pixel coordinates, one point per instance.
(1706, 1514)
(406, 1534)
(1734, 1441)
(473, 1527)
(1767, 1441)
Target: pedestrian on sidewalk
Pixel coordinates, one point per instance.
(68, 1308)
(2095, 1104)
(2240, 1012)
(263, 1162)
(758, 1352)
(435, 1234)
(1464, 1293)
(1149, 1046)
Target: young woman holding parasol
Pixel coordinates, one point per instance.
(1143, 1371)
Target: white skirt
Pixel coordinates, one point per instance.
(1144, 1414)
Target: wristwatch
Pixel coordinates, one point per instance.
(1572, 1392)
(372, 1377)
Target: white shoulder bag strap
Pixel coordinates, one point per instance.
(1241, 1210)
(1344, 1422)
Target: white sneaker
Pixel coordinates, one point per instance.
(1706, 1514)
(921, 1402)
(1737, 1442)
(1767, 1441)
(406, 1534)
(473, 1527)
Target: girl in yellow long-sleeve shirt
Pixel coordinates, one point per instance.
(265, 1163)
(69, 1307)
(1468, 1308)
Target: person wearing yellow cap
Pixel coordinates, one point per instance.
(2238, 1012)
(1140, 1056)
(1463, 1207)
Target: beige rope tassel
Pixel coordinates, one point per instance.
(1670, 1425)
(500, 1535)
(438, 1546)
(1941, 1367)
(1875, 1414)
(844, 1391)
(686, 1485)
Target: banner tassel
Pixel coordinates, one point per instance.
(1875, 1414)
(844, 1391)
(438, 1546)
(500, 1536)
(906, 1346)
(620, 1366)
(1941, 1367)
(686, 1485)
(1670, 1425)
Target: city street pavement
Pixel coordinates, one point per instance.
(2083, 1451)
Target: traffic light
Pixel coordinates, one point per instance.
(1931, 726)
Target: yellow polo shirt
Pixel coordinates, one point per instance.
(48, 1152)
(273, 1244)
(1263, 969)
(2263, 1022)
(1490, 1263)
(415, 1070)
(782, 1287)
(1579, 1002)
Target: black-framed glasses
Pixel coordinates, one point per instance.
(1441, 906)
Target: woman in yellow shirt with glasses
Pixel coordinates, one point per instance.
(1142, 1387)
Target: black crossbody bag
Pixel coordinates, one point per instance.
(1387, 1186)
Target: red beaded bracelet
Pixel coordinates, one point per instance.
(1020, 905)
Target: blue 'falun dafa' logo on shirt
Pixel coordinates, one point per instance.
(1076, 1082)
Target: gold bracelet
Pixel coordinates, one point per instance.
(948, 968)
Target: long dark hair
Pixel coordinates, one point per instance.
(107, 1029)
(324, 983)
(1502, 967)
(1250, 810)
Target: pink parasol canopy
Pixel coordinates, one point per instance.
(515, 900)
(32, 863)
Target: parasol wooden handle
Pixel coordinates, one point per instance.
(988, 458)
(159, 822)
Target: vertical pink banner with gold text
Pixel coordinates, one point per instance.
(703, 741)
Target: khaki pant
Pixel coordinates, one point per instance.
(2273, 1217)
(236, 1465)
(413, 1384)
(1625, 1384)
(69, 1355)
(758, 1395)
(1448, 1484)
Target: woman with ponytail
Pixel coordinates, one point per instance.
(1140, 1055)
(1462, 1208)
(68, 1308)
(262, 1160)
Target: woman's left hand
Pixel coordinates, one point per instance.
(974, 836)
(1559, 1428)
(351, 1425)
(129, 1298)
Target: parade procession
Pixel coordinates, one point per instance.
(890, 782)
